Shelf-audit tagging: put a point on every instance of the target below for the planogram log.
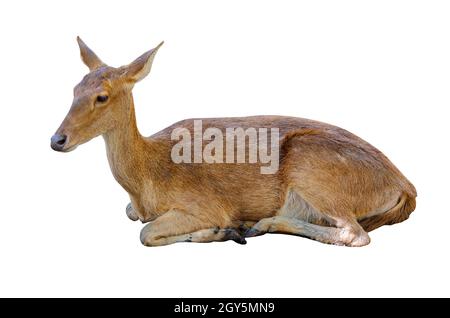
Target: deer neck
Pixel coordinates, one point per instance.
(126, 151)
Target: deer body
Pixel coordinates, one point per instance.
(331, 185)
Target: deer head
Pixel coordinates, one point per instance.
(102, 100)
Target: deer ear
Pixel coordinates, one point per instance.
(88, 56)
(141, 66)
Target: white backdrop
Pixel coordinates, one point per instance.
(380, 69)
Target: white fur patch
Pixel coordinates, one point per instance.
(296, 207)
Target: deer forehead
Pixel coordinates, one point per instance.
(96, 81)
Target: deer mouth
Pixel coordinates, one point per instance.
(69, 149)
(66, 149)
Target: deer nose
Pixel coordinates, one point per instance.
(58, 142)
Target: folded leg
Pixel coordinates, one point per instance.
(175, 226)
(350, 234)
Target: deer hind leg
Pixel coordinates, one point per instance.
(349, 234)
(174, 227)
(298, 217)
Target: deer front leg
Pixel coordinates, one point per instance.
(175, 226)
(131, 213)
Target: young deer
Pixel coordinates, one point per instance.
(331, 185)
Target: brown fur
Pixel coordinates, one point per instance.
(342, 183)
(397, 214)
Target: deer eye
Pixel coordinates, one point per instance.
(102, 98)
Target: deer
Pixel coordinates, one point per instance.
(331, 186)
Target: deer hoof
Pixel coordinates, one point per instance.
(232, 234)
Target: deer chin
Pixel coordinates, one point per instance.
(69, 149)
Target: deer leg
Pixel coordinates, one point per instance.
(175, 226)
(347, 233)
(131, 213)
(202, 236)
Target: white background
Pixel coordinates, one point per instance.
(380, 69)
